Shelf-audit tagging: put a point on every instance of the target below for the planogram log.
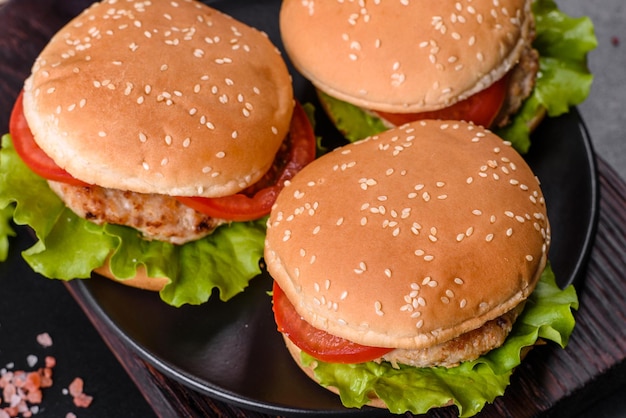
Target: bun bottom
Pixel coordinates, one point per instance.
(295, 352)
(141, 280)
(537, 118)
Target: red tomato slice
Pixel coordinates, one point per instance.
(28, 150)
(480, 108)
(315, 342)
(257, 200)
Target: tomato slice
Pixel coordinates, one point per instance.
(257, 200)
(28, 150)
(480, 108)
(315, 342)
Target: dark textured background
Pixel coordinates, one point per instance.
(29, 305)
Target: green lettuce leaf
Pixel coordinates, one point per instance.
(6, 214)
(352, 121)
(70, 247)
(564, 80)
(546, 316)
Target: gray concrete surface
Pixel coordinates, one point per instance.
(604, 112)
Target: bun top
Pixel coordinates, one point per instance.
(410, 238)
(160, 97)
(405, 56)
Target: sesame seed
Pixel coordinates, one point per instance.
(378, 308)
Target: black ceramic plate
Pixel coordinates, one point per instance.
(231, 351)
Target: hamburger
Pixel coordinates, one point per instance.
(411, 268)
(148, 144)
(500, 65)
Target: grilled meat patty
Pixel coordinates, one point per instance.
(466, 347)
(521, 84)
(156, 216)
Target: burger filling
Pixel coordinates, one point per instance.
(466, 347)
(156, 216)
(329, 348)
(167, 218)
(491, 107)
(520, 86)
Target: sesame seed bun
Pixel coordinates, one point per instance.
(140, 280)
(401, 56)
(296, 354)
(410, 238)
(160, 97)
